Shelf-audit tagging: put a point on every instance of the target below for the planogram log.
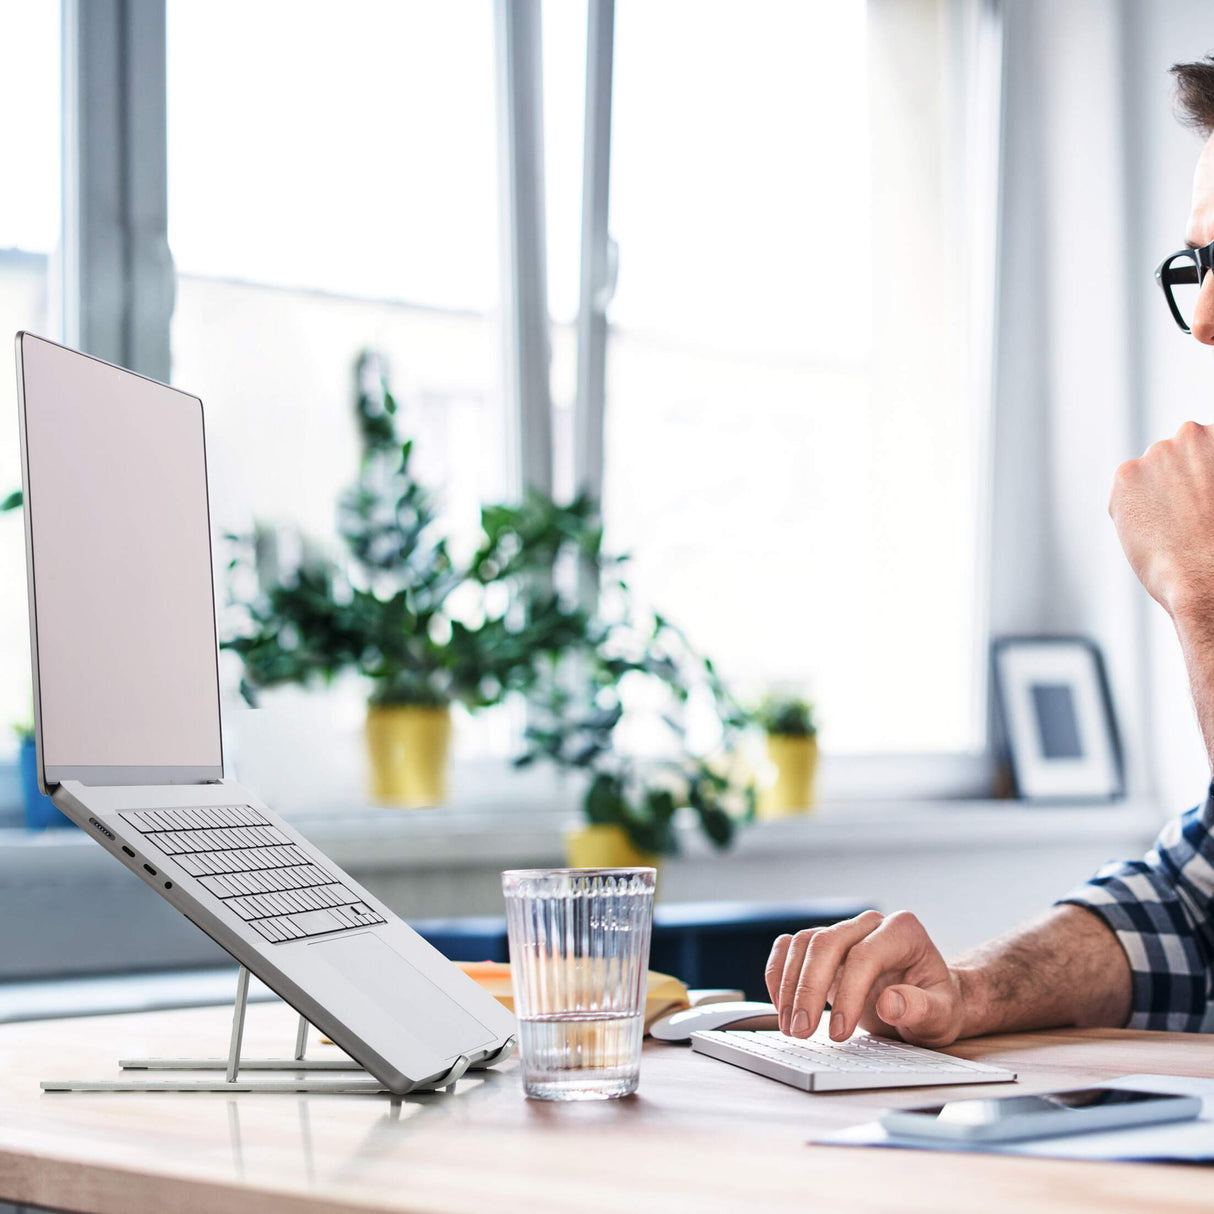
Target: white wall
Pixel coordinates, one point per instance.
(1176, 375)
(1090, 368)
(1064, 402)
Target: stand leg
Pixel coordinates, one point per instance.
(496, 1057)
(242, 998)
(232, 1066)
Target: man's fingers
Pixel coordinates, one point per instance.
(863, 968)
(793, 960)
(888, 952)
(922, 1017)
(775, 967)
(823, 956)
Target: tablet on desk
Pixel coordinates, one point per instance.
(1049, 1114)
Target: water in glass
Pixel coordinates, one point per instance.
(579, 955)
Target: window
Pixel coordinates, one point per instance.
(795, 408)
(29, 249)
(793, 437)
(358, 214)
(338, 192)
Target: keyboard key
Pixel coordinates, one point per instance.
(221, 887)
(274, 934)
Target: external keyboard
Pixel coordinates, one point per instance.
(241, 857)
(818, 1064)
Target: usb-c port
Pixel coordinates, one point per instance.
(128, 851)
(150, 869)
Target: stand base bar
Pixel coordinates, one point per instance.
(340, 1087)
(246, 1064)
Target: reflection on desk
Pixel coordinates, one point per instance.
(699, 1135)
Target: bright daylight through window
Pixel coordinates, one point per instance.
(358, 215)
(795, 401)
(794, 414)
(29, 299)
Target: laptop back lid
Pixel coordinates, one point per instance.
(118, 555)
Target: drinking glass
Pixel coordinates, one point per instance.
(579, 958)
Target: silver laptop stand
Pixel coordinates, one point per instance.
(233, 1064)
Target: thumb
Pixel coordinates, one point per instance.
(921, 1016)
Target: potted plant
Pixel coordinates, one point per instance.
(578, 709)
(41, 812)
(384, 610)
(791, 733)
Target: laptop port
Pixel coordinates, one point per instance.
(128, 851)
(150, 869)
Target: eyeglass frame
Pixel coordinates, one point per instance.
(1202, 259)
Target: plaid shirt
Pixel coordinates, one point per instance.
(1162, 910)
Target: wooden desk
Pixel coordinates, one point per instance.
(699, 1136)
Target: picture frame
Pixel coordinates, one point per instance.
(1056, 719)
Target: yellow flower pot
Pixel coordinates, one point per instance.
(795, 760)
(604, 846)
(408, 746)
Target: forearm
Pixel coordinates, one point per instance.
(1065, 968)
(1194, 621)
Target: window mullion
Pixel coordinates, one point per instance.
(597, 274)
(596, 278)
(525, 268)
(118, 274)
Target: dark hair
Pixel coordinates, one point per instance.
(1195, 93)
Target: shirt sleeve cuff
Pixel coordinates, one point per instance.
(1167, 970)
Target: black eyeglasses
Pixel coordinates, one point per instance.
(1180, 276)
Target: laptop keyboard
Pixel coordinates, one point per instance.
(241, 857)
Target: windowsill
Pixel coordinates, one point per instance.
(375, 840)
(492, 790)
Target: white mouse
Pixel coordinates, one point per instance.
(680, 1026)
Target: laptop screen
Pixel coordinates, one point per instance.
(118, 531)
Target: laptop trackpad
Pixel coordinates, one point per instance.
(381, 976)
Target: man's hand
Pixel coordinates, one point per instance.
(880, 972)
(1163, 508)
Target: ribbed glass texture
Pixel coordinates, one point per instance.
(579, 958)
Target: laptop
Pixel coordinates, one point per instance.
(127, 721)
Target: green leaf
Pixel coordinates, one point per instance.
(604, 803)
(717, 824)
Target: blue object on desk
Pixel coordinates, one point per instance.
(40, 810)
(705, 944)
